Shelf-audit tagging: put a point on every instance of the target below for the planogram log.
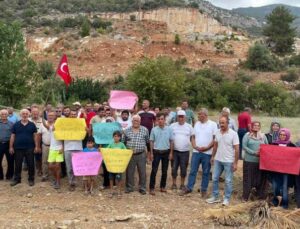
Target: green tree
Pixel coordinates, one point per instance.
(85, 28)
(279, 31)
(46, 69)
(260, 58)
(160, 80)
(18, 72)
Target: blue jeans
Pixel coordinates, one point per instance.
(219, 167)
(280, 188)
(204, 160)
(241, 133)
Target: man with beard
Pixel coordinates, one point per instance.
(125, 120)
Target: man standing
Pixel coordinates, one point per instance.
(12, 117)
(124, 120)
(244, 120)
(182, 133)
(136, 138)
(5, 133)
(202, 142)
(232, 124)
(190, 119)
(71, 147)
(66, 112)
(161, 147)
(147, 116)
(38, 122)
(225, 157)
(24, 143)
(44, 135)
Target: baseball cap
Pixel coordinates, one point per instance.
(181, 112)
(77, 103)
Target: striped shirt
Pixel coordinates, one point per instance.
(136, 141)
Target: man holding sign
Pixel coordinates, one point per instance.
(136, 138)
(71, 147)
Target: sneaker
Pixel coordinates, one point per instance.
(213, 200)
(143, 192)
(185, 191)
(31, 183)
(225, 202)
(14, 183)
(152, 192)
(56, 186)
(174, 186)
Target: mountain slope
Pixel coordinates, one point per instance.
(260, 13)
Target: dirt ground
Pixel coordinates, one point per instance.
(41, 206)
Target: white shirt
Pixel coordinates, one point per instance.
(181, 136)
(70, 145)
(54, 144)
(226, 143)
(46, 135)
(124, 124)
(204, 133)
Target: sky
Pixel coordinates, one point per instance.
(229, 4)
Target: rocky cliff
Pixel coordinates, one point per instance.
(184, 21)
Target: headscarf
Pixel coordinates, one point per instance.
(287, 137)
(274, 134)
(259, 135)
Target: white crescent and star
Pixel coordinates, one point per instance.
(62, 67)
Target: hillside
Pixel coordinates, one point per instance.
(260, 13)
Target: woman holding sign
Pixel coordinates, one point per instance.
(281, 182)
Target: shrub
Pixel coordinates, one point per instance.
(243, 77)
(297, 86)
(211, 73)
(85, 28)
(177, 39)
(260, 58)
(99, 23)
(295, 60)
(45, 69)
(132, 17)
(291, 76)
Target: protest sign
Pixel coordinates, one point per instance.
(70, 129)
(86, 163)
(103, 132)
(122, 100)
(116, 160)
(280, 159)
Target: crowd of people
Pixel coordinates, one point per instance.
(157, 135)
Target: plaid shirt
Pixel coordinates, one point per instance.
(136, 141)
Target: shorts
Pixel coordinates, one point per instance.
(55, 156)
(117, 176)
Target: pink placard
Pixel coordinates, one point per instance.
(86, 163)
(122, 100)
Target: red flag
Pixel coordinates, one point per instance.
(280, 159)
(63, 70)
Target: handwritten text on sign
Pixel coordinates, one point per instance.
(70, 129)
(103, 132)
(116, 160)
(86, 163)
(280, 159)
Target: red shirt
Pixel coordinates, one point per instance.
(89, 116)
(244, 120)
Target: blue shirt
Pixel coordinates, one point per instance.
(24, 135)
(5, 131)
(87, 150)
(161, 137)
(13, 118)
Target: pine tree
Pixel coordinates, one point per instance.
(279, 31)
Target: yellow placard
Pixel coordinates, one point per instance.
(116, 160)
(69, 129)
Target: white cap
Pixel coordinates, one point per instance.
(77, 103)
(226, 109)
(181, 112)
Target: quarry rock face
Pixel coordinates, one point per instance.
(184, 21)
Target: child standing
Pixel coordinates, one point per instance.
(116, 176)
(89, 180)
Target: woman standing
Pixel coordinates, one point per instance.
(253, 178)
(281, 182)
(272, 136)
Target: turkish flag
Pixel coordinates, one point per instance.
(63, 70)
